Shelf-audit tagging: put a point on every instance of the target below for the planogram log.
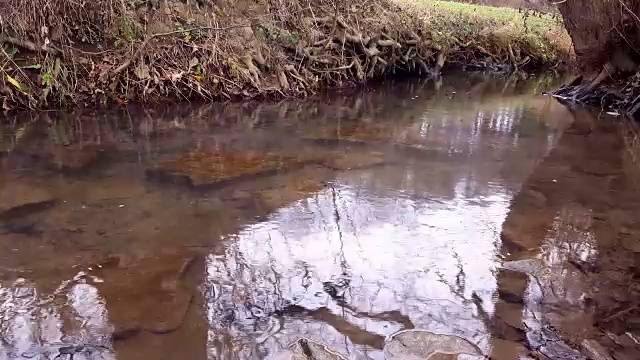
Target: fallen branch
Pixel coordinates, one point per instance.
(391, 43)
(620, 313)
(333, 30)
(345, 67)
(284, 83)
(422, 66)
(440, 62)
(296, 75)
(524, 61)
(512, 57)
(26, 44)
(485, 51)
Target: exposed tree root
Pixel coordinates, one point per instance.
(611, 89)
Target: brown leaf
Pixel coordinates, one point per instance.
(142, 71)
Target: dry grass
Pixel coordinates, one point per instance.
(538, 5)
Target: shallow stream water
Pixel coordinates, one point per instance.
(472, 208)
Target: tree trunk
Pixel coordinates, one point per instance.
(601, 28)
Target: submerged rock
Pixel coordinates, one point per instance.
(505, 349)
(26, 209)
(286, 355)
(22, 193)
(305, 349)
(213, 168)
(422, 344)
(527, 266)
(594, 350)
(631, 243)
(353, 160)
(79, 158)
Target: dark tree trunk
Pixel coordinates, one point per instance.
(602, 29)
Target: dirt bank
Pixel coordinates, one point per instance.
(59, 53)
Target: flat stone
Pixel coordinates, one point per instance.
(631, 243)
(422, 344)
(511, 314)
(594, 350)
(22, 193)
(286, 355)
(26, 210)
(152, 295)
(559, 350)
(304, 349)
(126, 331)
(510, 240)
(504, 349)
(353, 160)
(598, 168)
(615, 276)
(535, 198)
(512, 286)
(441, 356)
(525, 266)
(626, 354)
(354, 131)
(295, 190)
(78, 158)
(214, 168)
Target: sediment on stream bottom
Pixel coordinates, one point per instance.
(60, 52)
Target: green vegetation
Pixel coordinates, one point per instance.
(492, 30)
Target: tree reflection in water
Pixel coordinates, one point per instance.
(394, 224)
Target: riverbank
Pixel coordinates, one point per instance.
(69, 54)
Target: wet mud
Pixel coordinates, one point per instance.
(468, 218)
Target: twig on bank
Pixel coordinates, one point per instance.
(26, 44)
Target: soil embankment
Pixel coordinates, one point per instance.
(60, 53)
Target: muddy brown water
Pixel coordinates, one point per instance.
(470, 206)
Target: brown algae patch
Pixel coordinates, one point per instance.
(218, 167)
(354, 132)
(340, 160)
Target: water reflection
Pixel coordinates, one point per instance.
(397, 254)
(43, 326)
(407, 207)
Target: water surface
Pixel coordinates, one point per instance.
(470, 206)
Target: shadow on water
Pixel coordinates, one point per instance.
(470, 207)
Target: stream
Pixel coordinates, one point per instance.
(464, 218)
